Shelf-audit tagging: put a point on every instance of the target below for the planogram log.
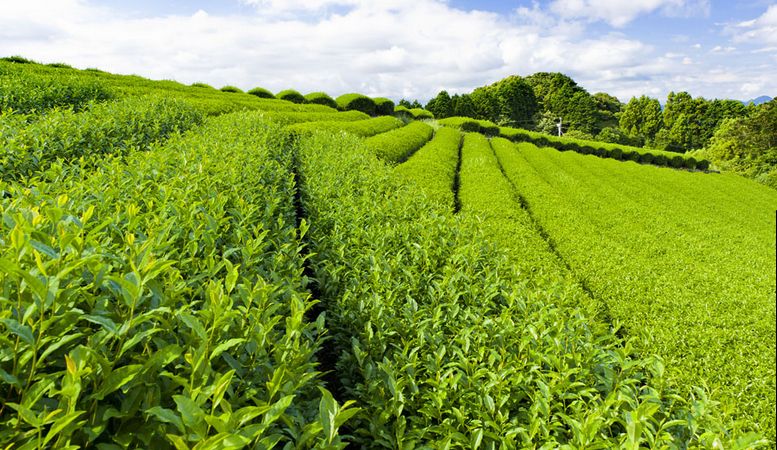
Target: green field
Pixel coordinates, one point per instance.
(187, 267)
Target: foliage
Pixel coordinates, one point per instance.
(559, 95)
(231, 90)
(444, 345)
(358, 102)
(292, 117)
(466, 124)
(748, 145)
(261, 92)
(441, 105)
(635, 233)
(397, 145)
(383, 106)
(18, 60)
(641, 118)
(147, 305)
(290, 95)
(601, 149)
(410, 105)
(202, 85)
(321, 98)
(433, 168)
(27, 93)
(363, 128)
(108, 128)
(412, 114)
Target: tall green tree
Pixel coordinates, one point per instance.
(641, 118)
(440, 105)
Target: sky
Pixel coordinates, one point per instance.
(410, 48)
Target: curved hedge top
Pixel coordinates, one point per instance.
(468, 124)
(415, 113)
(384, 106)
(291, 95)
(321, 98)
(358, 102)
(261, 92)
(202, 85)
(232, 89)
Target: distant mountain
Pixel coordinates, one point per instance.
(758, 100)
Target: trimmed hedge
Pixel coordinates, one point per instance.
(433, 167)
(292, 117)
(290, 95)
(358, 102)
(231, 89)
(603, 149)
(202, 85)
(364, 128)
(412, 114)
(397, 145)
(468, 124)
(321, 98)
(383, 106)
(261, 92)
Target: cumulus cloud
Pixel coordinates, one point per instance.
(762, 29)
(395, 48)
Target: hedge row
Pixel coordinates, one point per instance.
(468, 124)
(433, 167)
(605, 150)
(413, 113)
(397, 145)
(106, 128)
(364, 128)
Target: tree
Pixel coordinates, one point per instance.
(608, 108)
(441, 105)
(748, 145)
(558, 93)
(463, 105)
(641, 118)
(410, 105)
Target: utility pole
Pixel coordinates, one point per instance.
(558, 124)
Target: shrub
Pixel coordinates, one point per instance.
(321, 98)
(646, 158)
(290, 95)
(615, 153)
(202, 85)
(261, 93)
(677, 161)
(397, 145)
(384, 106)
(231, 89)
(59, 65)
(690, 162)
(703, 164)
(359, 102)
(660, 159)
(420, 114)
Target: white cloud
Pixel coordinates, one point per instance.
(619, 13)
(761, 29)
(395, 48)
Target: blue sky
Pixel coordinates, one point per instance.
(410, 48)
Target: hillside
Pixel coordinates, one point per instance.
(188, 267)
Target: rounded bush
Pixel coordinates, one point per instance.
(290, 95)
(615, 153)
(646, 158)
(703, 164)
(690, 162)
(420, 114)
(677, 161)
(383, 106)
(599, 151)
(358, 102)
(633, 156)
(322, 98)
(231, 89)
(261, 93)
(660, 159)
(202, 85)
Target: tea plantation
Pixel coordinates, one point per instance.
(185, 267)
